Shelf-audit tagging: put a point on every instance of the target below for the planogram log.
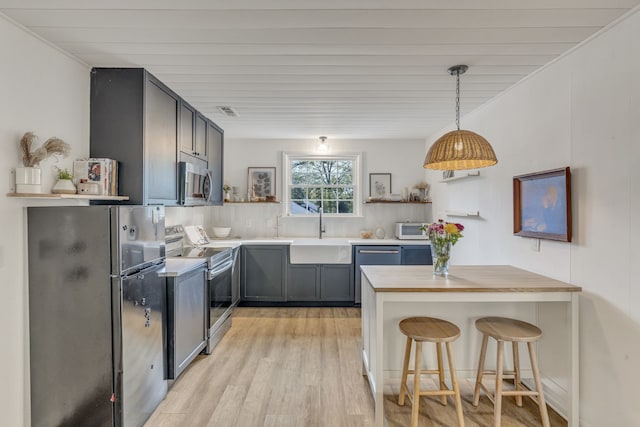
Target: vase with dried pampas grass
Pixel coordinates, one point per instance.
(28, 178)
(52, 146)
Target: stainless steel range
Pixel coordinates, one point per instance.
(220, 266)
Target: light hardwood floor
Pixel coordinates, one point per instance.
(299, 367)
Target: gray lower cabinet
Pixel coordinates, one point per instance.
(264, 273)
(320, 282)
(267, 276)
(336, 282)
(303, 282)
(416, 255)
(186, 318)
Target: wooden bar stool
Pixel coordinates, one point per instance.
(503, 329)
(420, 329)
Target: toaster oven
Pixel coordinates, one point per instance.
(411, 231)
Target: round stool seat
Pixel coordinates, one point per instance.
(505, 329)
(429, 329)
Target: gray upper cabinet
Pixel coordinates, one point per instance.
(215, 153)
(134, 120)
(200, 138)
(187, 128)
(193, 129)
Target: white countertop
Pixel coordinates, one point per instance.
(312, 240)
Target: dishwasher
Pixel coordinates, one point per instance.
(373, 255)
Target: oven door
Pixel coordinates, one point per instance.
(220, 293)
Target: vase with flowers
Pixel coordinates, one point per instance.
(443, 235)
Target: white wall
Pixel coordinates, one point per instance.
(582, 111)
(402, 158)
(46, 92)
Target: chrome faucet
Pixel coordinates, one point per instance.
(320, 224)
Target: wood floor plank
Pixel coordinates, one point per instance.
(301, 367)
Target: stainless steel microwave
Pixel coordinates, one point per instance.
(411, 230)
(194, 185)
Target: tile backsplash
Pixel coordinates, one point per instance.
(249, 220)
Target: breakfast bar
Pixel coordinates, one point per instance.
(391, 293)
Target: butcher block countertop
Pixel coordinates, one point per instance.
(462, 278)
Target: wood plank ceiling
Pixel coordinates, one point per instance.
(343, 68)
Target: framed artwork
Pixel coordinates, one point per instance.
(379, 184)
(542, 205)
(261, 183)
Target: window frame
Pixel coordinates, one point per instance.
(288, 158)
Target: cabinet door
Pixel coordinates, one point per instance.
(161, 142)
(200, 141)
(303, 282)
(186, 318)
(187, 120)
(416, 255)
(264, 273)
(336, 282)
(215, 147)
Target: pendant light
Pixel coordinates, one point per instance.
(323, 147)
(459, 149)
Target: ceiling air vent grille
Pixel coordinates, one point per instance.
(228, 111)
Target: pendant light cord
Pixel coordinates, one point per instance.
(458, 99)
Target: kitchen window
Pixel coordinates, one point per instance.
(330, 182)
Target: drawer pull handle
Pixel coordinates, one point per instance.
(378, 252)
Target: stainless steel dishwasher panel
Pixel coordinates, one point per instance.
(373, 255)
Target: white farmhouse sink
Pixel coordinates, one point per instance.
(320, 251)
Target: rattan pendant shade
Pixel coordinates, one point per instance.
(460, 149)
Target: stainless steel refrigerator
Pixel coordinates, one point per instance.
(96, 311)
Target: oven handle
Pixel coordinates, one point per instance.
(224, 267)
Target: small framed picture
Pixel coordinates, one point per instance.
(379, 184)
(261, 183)
(542, 205)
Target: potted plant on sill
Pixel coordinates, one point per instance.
(64, 185)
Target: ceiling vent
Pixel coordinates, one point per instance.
(228, 111)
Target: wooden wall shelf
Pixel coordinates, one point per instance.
(466, 214)
(66, 196)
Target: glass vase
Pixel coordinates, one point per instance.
(440, 252)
